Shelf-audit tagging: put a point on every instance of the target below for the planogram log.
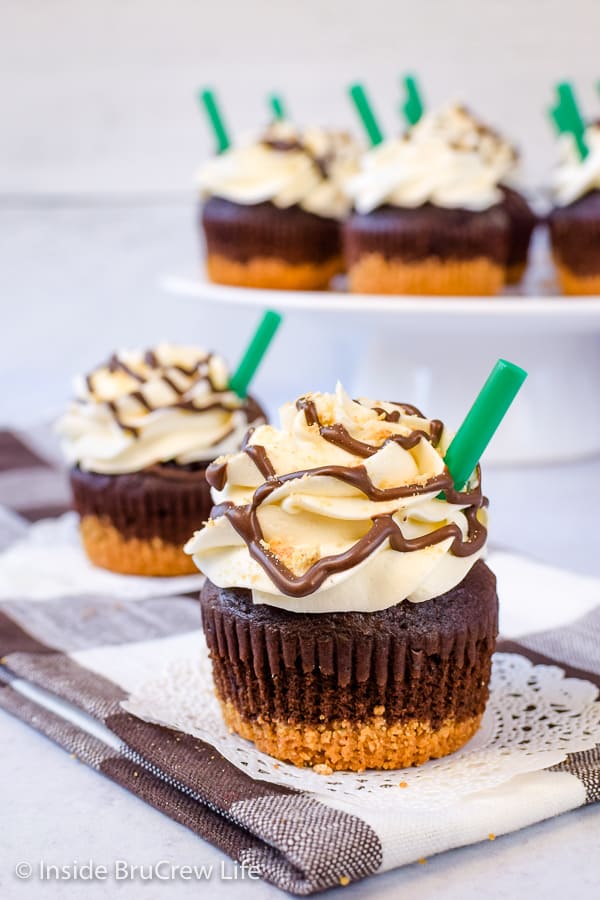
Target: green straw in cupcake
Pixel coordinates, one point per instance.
(254, 354)
(568, 119)
(208, 101)
(413, 106)
(366, 114)
(482, 421)
(277, 107)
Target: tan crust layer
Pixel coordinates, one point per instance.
(374, 274)
(577, 284)
(106, 547)
(354, 746)
(270, 272)
(514, 274)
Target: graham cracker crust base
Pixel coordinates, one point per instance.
(107, 548)
(352, 746)
(572, 283)
(374, 274)
(273, 273)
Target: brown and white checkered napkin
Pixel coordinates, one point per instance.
(298, 842)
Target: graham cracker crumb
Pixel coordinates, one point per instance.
(344, 880)
(372, 273)
(403, 784)
(491, 837)
(273, 272)
(378, 710)
(106, 547)
(322, 769)
(341, 745)
(422, 861)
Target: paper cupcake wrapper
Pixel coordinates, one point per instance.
(303, 668)
(242, 233)
(165, 502)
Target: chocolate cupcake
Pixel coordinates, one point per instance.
(430, 213)
(350, 619)
(575, 220)
(522, 222)
(272, 209)
(139, 435)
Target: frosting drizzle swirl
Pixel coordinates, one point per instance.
(318, 516)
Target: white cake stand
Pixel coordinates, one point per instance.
(431, 351)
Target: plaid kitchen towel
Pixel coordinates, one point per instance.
(69, 662)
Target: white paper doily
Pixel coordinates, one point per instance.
(49, 561)
(534, 718)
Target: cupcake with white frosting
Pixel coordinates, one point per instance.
(272, 208)
(349, 616)
(432, 211)
(139, 435)
(575, 220)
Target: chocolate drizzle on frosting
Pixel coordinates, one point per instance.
(197, 374)
(244, 518)
(340, 436)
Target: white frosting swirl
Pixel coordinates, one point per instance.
(306, 519)
(574, 177)
(140, 409)
(287, 167)
(449, 159)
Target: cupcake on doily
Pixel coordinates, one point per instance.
(350, 618)
(272, 208)
(434, 213)
(139, 435)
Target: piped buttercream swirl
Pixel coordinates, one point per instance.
(169, 404)
(339, 509)
(449, 158)
(286, 166)
(574, 177)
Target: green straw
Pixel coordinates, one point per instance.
(367, 116)
(208, 100)
(413, 107)
(568, 117)
(482, 420)
(255, 351)
(277, 107)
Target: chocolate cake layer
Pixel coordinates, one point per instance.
(428, 661)
(261, 230)
(522, 222)
(575, 233)
(416, 235)
(164, 501)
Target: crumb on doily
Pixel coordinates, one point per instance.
(403, 784)
(344, 880)
(322, 769)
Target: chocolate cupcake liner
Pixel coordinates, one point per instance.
(575, 236)
(418, 235)
(168, 502)
(427, 661)
(522, 221)
(242, 233)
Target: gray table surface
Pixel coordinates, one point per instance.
(76, 281)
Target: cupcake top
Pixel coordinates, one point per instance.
(338, 509)
(287, 167)
(574, 177)
(449, 159)
(168, 404)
